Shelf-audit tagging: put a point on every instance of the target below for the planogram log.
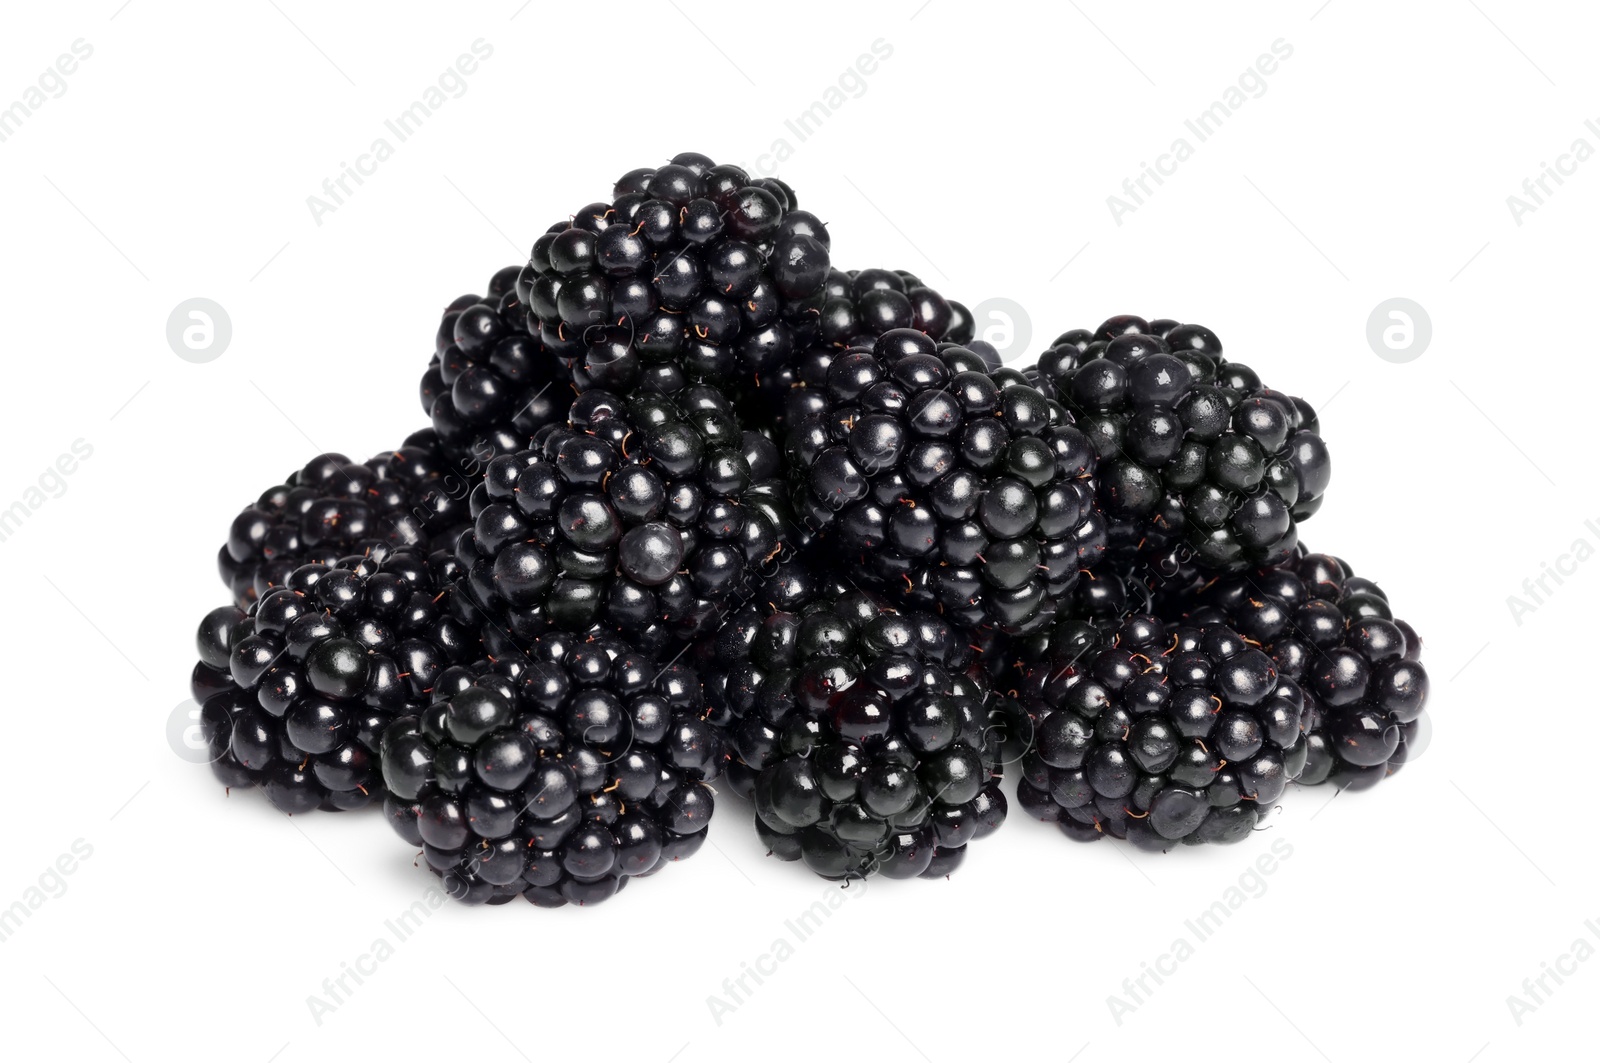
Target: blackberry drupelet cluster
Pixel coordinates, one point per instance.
(735, 660)
(861, 305)
(861, 732)
(692, 272)
(557, 775)
(405, 499)
(296, 694)
(490, 385)
(1158, 733)
(1333, 633)
(946, 485)
(648, 515)
(1195, 454)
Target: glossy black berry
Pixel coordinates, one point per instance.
(860, 731)
(556, 773)
(405, 499)
(1195, 455)
(1161, 733)
(693, 273)
(1334, 634)
(640, 513)
(296, 693)
(945, 487)
(491, 384)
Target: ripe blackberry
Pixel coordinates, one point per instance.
(860, 306)
(490, 385)
(648, 514)
(1103, 600)
(730, 661)
(946, 485)
(557, 775)
(1159, 733)
(1195, 455)
(405, 499)
(692, 272)
(1333, 633)
(861, 732)
(296, 693)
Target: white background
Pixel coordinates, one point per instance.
(1376, 164)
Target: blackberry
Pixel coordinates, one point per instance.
(296, 693)
(692, 272)
(1196, 456)
(1335, 634)
(1158, 733)
(490, 385)
(860, 731)
(405, 499)
(557, 775)
(647, 514)
(946, 485)
(861, 305)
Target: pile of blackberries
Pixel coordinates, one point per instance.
(698, 510)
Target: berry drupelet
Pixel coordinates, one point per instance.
(405, 499)
(1333, 633)
(693, 272)
(295, 695)
(861, 732)
(1195, 455)
(648, 514)
(490, 385)
(1157, 733)
(558, 775)
(945, 484)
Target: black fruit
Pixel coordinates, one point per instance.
(860, 306)
(1158, 733)
(946, 485)
(692, 272)
(557, 775)
(649, 515)
(407, 499)
(295, 695)
(490, 385)
(1197, 458)
(860, 731)
(1334, 634)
